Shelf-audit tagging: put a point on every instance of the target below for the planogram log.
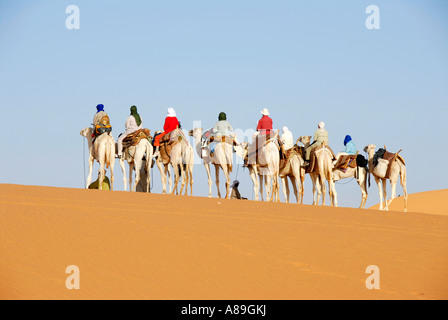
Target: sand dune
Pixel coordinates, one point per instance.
(139, 246)
(432, 202)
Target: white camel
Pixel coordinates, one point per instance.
(134, 156)
(222, 158)
(323, 171)
(268, 173)
(294, 172)
(360, 174)
(177, 157)
(165, 173)
(103, 150)
(188, 162)
(398, 170)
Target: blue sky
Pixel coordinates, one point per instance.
(307, 61)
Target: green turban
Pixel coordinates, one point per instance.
(222, 116)
(136, 115)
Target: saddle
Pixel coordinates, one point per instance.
(167, 142)
(285, 157)
(134, 139)
(390, 158)
(261, 140)
(225, 139)
(346, 161)
(312, 167)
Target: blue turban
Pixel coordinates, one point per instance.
(99, 108)
(347, 139)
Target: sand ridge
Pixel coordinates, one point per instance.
(140, 246)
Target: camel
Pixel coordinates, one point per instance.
(134, 156)
(297, 176)
(221, 158)
(178, 156)
(188, 161)
(103, 150)
(165, 172)
(323, 171)
(360, 174)
(268, 175)
(398, 169)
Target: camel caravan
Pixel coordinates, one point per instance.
(269, 158)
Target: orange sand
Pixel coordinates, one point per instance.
(139, 246)
(432, 202)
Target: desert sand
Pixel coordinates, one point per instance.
(149, 246)
(432, 202)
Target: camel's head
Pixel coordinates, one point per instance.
(369, 148)
(196, 132)
(87, 132)
(304, 139)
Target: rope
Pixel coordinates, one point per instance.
(337, 182)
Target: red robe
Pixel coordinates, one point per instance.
(265, 125)
(171, 124)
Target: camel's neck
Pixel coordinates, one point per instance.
(240, 152)
(198, 144)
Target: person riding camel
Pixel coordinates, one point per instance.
(222, 127)
(320, 136)
(265, 124)
(101, 119)
(350, 148)
(133, 123)
(171, 124)
(264, 128)
(287, 139)
(99, 115)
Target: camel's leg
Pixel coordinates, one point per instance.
(184, 182)
(363, 185)
(334, 193)
(123, 169)
(227, 174)
(168, 174)
(162, 171)
(393, 183)
(131, 169)
(176, 177)
(89, 178)
(183, 177)
(403, 184)
(314, 181)
(380, 191)
(285, 188)
(101, 177)
(295, 182)
(385, 194)
(323, 189)
(112, 178)
(217, 179)
(191, 179)
(138, 166)
(254, 179)
(302, 183)
(148, 175)
(261, 180)
(209, 176)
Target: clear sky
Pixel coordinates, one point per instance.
(307, 61)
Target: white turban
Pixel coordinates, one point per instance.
(171, 112)
(321, 125)
(285, 129)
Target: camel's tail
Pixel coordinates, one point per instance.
(110, 151)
